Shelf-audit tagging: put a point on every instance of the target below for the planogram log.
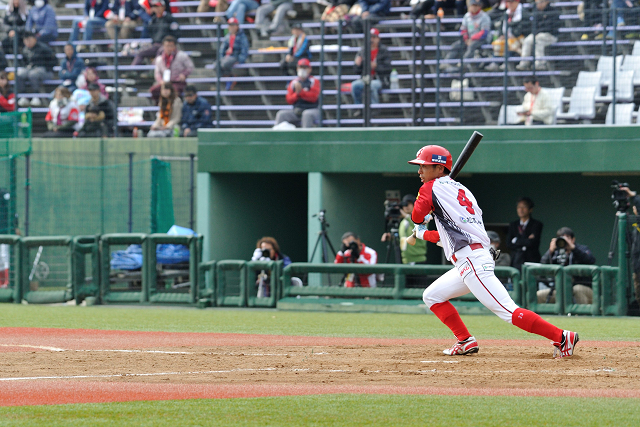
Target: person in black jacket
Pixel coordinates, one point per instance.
(196, 113)
(161, 25)
(380, 71)
(564, 250)
(546, 31)
(105, 107)
(38, 62)
(15, 20)
(523, 238)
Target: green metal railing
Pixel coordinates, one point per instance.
(46, 290)
(83, 285)
(110, 291)
(13, 291)
(207, 284)
(570, 273)
(226, 294)
(550, 272)
(267, 275)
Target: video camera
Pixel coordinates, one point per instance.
(620, 197)
(392, 214)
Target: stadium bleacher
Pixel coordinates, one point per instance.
(573, 62)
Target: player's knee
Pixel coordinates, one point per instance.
(429, 298)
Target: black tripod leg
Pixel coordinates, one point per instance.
(315, 247)
(614, 241)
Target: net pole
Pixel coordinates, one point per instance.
(131, 192)
(115, 80)
(192, 163)
(15, 61)
(27, 171)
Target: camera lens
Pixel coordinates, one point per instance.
(561, 243)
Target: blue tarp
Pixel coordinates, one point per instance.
(131, 258)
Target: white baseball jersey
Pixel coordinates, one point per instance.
(456, 211)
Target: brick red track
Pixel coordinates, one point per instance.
(59, 391)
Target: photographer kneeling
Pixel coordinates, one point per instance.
(267, 249)
(634, 201)
(353, 251)
(564, 250)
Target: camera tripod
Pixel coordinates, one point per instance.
(323, 238)
(394, 246)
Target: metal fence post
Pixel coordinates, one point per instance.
(422, 31)
(115, 79)
(413, 76)
(505, 80)
(462, 84)
(321, 98)
(218, 35)
(192, 187)
(339, 83)
(437, 71)
(27, 184)
(533, 32)
(15, 62)
(366, 98)
(130, 224)
(615, 63)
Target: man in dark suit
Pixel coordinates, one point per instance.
(524, 234)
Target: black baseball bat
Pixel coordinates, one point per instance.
(466, 153)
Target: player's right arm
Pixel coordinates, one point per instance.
(424, 204)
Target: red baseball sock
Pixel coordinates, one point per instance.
(531, 322)
(448, 315)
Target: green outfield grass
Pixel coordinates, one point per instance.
(260, 321)
(342, 410)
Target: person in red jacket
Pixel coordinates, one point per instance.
(353, 251)
(7, 98)
(302, 93)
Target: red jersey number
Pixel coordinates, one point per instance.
(462, 199)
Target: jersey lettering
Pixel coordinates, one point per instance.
(462, 199)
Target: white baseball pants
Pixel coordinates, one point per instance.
(473, 272)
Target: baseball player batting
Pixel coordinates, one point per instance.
(460, 231)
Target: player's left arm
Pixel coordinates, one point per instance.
(424, 204)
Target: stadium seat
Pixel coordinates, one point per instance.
(624, 88)
(636, 48)
(556, 98)
(605, 66)
(582, 105)
(632, 63)
(624, 114)
(512, 115)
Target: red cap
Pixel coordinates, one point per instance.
(233, 21)
(304, 62)
(375, 32)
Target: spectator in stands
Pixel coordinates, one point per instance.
(380, 71)
(125, 14)
(233, 50)
(537, 107)
(106, 107)
(7, 98)
(302, 93)
(95, 16)
(430, 8)
(218, 5)
(15, 21)
(161, 25)
(94, 124)
(196, 113)
(298, 49)
(511, 28)
(546, 24)
(337, 10)
(169, 114)
(281, 7)
(504, 259)
(42, 22)
(474, 29)
(62, 116)
(71, 68)
(88, 76)
(38, 61)
(172, 65)
(3, 60)
(374, 8)
(353, 251)
(239, 8)
(523, 238)
(267, 249)
(564, 250)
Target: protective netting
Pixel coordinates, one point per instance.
(15, 133)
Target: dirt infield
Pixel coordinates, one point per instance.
(48, 366)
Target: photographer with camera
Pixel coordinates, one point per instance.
(564, 250)
(353, 251)
(267, 249)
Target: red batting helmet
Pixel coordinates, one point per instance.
(433, 155)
